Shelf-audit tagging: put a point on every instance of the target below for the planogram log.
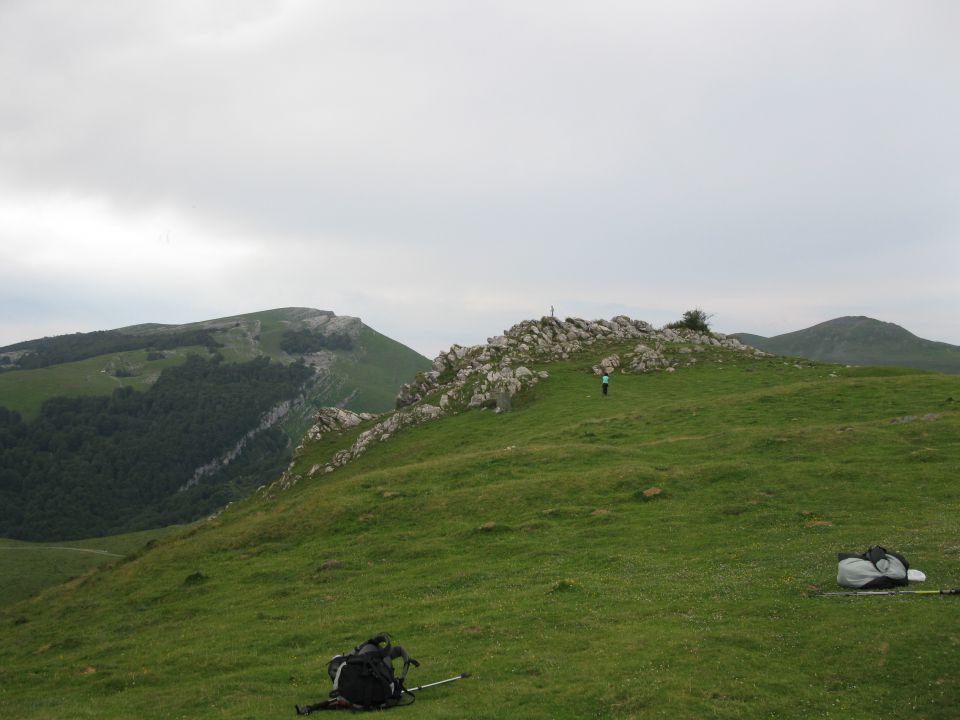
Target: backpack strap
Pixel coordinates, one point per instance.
(388, 652)
(875, 554)
(398, 652)
(374, 645)
(332, 704)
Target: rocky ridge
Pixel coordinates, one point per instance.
(488, 376)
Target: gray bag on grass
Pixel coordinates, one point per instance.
(877, 568)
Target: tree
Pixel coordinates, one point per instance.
(696, 319)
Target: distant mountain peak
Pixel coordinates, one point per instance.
(863, 322)
(861, 340)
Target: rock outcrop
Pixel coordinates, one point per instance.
(338, 420)
(332, 419)
(489, 376)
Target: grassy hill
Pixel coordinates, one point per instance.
(861, 341)
(27, 568)
(529, 548)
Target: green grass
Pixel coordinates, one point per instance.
(26, 390)
(27, 567)
(521, 547)
(377, 369)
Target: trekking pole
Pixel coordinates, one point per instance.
(461, 676)
(857, 593)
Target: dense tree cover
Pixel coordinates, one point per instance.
(299, 342)
(93, 466)
(80, 346)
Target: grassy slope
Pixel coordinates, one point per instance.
(757, 341)
(26, 390)
(520, 547)
(379, 367)
(364, 379)
(26, 568)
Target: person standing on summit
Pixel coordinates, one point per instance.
(605, 381)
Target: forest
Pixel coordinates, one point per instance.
(300, 342)
(80, 346)
(91, 466)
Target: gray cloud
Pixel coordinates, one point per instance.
(444, 169)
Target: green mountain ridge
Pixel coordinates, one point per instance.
(195, 436)
(861, 341)
(364, 378)
(643, 554)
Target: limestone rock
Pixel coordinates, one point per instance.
(491, 375)
(607, 365)
(332, 419)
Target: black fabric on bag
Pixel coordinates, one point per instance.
(366, 679)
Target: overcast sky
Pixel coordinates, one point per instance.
(445, 169)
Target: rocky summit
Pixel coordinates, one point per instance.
(488, 376)
(478, 376)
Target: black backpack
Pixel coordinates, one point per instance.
(365, 678)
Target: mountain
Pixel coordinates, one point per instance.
(861, 341)
(360, 368)
(128, 429)
(648, 553)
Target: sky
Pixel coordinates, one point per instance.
(444, 169)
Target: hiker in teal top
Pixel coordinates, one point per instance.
(605, 382)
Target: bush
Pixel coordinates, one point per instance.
(696, 319)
